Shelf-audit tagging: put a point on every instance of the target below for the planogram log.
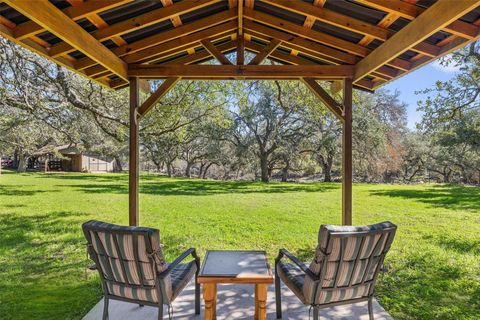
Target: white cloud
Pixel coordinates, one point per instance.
(451, 68)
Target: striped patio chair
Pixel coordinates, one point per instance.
(344, 270)
(132, 267)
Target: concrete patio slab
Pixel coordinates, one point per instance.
(236, 302)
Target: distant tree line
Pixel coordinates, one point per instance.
(246, 129)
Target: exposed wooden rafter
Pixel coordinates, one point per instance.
(413, 33)
(240, 35)
(157, 95)
(233, 71)
(331, 17)
(243, 24)
(29, 28)
(411, 11)
(323, 95)
(142, 21)
(150, 46)
(215, 52)
(48, 16)
(265, 52)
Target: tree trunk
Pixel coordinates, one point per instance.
(15, 159)
(200, 170)
(188, 170)
(22, 163)
(326, 167)
(169, 169)
(264, 167)
(206, 170)
(446, 175)
(118, 164)
(285, 174)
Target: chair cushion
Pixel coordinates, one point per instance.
(329, 296)
(293, 277)
(181, 276)
(352, 255)
(326, 230)
(143, 294)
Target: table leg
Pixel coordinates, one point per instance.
(261, 301)
(210, 297)
(256, 303)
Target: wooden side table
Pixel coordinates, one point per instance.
(245, 267)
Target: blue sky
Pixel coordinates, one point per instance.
(418, 80)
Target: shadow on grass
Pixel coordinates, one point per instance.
(192, 187)
(455, 244)
(422, 285)
(17, 190)
(43, 267)
(37, 242)
(447, 196)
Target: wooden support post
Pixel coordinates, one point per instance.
(134, 167)
(347, 169)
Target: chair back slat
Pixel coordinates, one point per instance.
(347, 261)
(128, 259)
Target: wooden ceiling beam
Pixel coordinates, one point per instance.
(448, 48)
(29, 28)
(176, 21)
(233, 71)
(299, 30)
(240, 36)
(319, 50)
(265, 52)
(150, 46)
(193, 58)
(323, 95)
(387, 21)
(309, 20)
(150, 54)
(215, 52)
(98, 22)
(179, 32)
(332, 18)
(137, 23)
(162, 90)
(168, 52)
(412, 11)
(204, 55)
(49, 17)
(278, 55)
(442, 13)
(296, 60)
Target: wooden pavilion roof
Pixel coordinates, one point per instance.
(371, 41)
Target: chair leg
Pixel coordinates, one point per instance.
(105, 308)
(160, 312)
(370, 308)
(197, 297)
(278, 295)
(315, 314)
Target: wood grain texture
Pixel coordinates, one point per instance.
(48, 16)
(442, 13)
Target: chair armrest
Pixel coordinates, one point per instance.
(285, 253)
(179, 259)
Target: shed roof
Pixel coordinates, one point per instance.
(381, 40)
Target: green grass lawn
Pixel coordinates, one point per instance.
(433, 266)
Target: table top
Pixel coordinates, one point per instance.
(242, 266)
